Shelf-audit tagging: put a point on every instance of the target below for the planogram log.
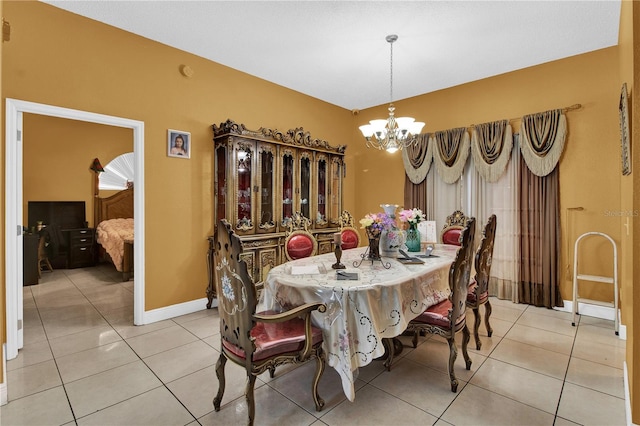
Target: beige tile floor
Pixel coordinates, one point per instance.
(84, 363)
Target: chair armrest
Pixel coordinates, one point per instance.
(292, 313)
(304, 310)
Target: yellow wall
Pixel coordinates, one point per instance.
(57, 154)
(58, 58)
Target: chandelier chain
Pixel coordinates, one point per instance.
(391, 73)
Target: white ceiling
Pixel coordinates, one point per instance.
(336, 50)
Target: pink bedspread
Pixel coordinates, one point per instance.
(111, 235)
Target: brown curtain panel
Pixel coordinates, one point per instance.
(415, 196)
(539, 238)
(417, 160)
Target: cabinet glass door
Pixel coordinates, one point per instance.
(266, 185)
(287, 187)
(335, 204)
(243, 190)
(220, 185)
(321, 206)
(305, 185)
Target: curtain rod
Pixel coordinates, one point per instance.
(565, 109)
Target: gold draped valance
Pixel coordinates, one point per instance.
(417, 158)
(451, 150)
(491, 145)
(542, 140)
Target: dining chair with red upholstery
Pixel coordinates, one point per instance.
(299, 242)
(258, 341)
(452, 229)
(449, 316)
(478, 294)
(349, 234)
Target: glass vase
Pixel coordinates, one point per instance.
(413, 238)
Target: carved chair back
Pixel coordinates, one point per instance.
(236, 293)
(459, 274)
(452, 229)
(299, 242)
(349, 234)
(484, 256)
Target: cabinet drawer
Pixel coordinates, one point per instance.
(81, 236)
(81, 256)
(81, 241)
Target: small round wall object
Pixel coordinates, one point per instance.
(187, 71)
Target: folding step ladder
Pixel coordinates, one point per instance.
(595, 278)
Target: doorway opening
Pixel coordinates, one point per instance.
(14, 110)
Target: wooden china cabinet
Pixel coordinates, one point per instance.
(261, 178)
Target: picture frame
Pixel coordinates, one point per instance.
(625, 138)
(175, 148)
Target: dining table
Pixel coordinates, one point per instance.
(367, 301)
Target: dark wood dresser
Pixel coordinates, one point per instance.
(65, 221)
(82, 247)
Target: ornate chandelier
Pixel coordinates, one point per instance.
(393, 133)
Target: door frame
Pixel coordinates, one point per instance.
(13, 208)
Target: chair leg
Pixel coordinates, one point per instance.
(414, 341)
(272, 372)
(248, 393)
(221, 381)
(476, 327)
(466, 336)
(453, 354)
(487, 314)
(390, 351)
(316, 380)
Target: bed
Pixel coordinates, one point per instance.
(114, 229)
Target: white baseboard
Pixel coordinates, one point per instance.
(173, 311)
(4, 396)
(604, 312)
(596, 311)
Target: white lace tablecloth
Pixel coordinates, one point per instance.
(380, 303)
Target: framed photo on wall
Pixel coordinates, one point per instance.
(178, 144)
(625, 137)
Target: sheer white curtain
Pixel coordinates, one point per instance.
(499, 198)
(443, 198)
(478, 198)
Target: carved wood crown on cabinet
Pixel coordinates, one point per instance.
(296, 137)
(263, 177)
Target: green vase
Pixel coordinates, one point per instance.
(413, 238)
